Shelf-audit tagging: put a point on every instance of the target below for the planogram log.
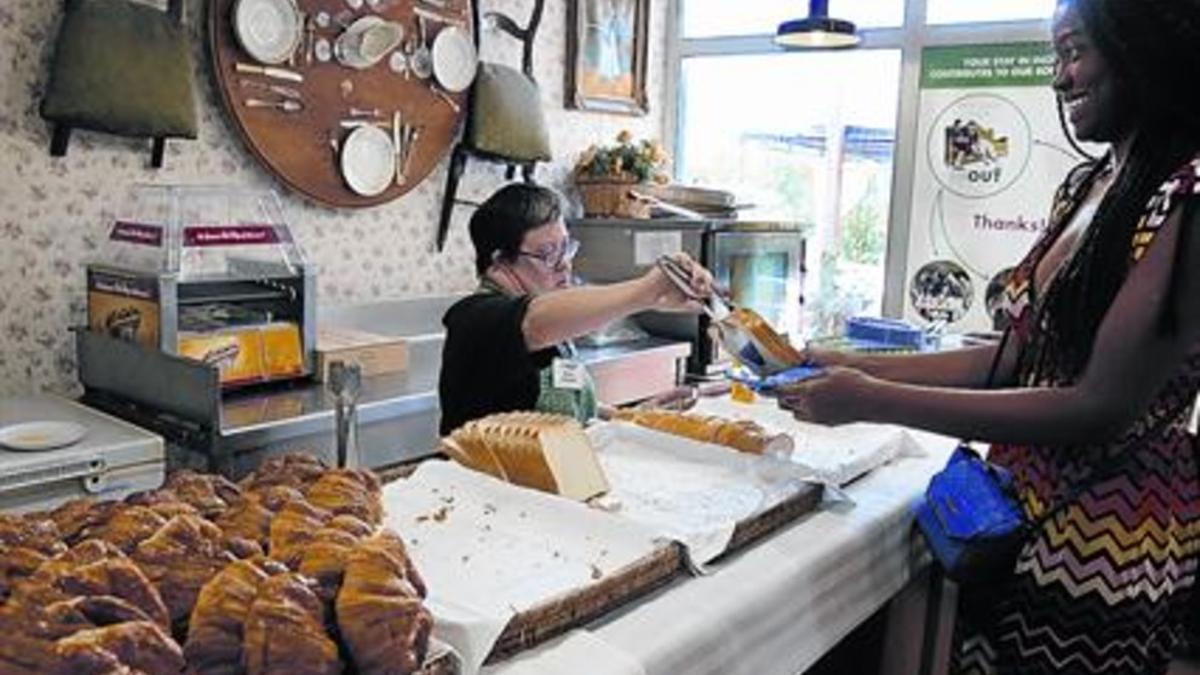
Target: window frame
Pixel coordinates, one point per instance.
(910, 38)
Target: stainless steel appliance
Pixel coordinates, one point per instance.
(105, 459)
(209, 273)
(761, 263)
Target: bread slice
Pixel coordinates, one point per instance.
(770, 344)
(535, 450)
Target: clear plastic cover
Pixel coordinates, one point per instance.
(203, 233)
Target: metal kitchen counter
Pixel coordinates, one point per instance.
(398, 413)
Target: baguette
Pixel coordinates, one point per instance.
(742, 435)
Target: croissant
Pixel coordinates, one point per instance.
(16, 563)
(324, 557)
(83, 553)
(36, 533)
(293, 470)
(215, 630)
(66, 617)
(285, 630)
(24, 654)
(209, 493)
(166, 502)
(180, 558)
(119, 578)
(92, 569)
(381, 618)
(77, 515)
(126, 526)
(250, 516)
(354, 492)
(140, 646)
(293, 527)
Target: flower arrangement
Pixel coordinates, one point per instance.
(628, 161)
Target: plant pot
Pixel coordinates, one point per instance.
(610, 199)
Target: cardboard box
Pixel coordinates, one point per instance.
(375, 354)
(247, 354)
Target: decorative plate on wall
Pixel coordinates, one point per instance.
(454, 59)
(368, 160)
(269, 30)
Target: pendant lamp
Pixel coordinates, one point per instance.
(817, 30)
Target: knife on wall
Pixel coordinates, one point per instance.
(269, 71)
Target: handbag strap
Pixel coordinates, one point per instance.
(991, 376)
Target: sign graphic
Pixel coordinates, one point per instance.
(994, 152)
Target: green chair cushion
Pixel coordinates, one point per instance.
(122, 68)
(506, 116)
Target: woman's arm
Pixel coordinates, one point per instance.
(568, 313)
(967, 367)
(1131, 360)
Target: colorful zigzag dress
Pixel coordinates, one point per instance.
(1108, 579)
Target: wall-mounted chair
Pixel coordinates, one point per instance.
(123, 68)
(505, 121)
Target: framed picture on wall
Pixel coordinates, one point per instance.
(606, 55)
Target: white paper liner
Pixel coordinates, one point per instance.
(833, 456)
(695, 493)
(489, 550)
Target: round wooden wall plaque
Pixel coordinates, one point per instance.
(297, 129)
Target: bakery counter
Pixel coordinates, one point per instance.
(781, 605)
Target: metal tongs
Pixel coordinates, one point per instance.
(345, 383)
(730, 332)
(715, 305)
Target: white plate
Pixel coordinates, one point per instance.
(42, 435)
(454, 59)
(269, 30)
(368, 160)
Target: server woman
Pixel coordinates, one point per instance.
(508, 345)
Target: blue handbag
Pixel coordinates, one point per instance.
(971, 518)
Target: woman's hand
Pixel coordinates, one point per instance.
(662, 293)
(834, 397)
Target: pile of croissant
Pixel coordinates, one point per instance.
(286, 572)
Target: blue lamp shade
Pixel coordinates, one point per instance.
(817, 30)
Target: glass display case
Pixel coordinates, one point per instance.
(209, 273)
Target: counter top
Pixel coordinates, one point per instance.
(249, 420)
(776, 608)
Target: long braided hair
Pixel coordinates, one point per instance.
(1152, 48)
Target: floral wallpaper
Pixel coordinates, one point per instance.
(54, 212)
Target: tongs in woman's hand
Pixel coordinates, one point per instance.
(728, 322)
(715, 304)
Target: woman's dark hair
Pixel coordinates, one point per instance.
(1148, 45)
(500, 223)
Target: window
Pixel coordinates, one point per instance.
(710, 18)
(806, 138)
(812, 137)
(969, 11)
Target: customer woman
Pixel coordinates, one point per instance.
(1093, 385)
(508, 345)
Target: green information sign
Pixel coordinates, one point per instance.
(1018, 64)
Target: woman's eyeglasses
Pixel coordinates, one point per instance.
(554, 257)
